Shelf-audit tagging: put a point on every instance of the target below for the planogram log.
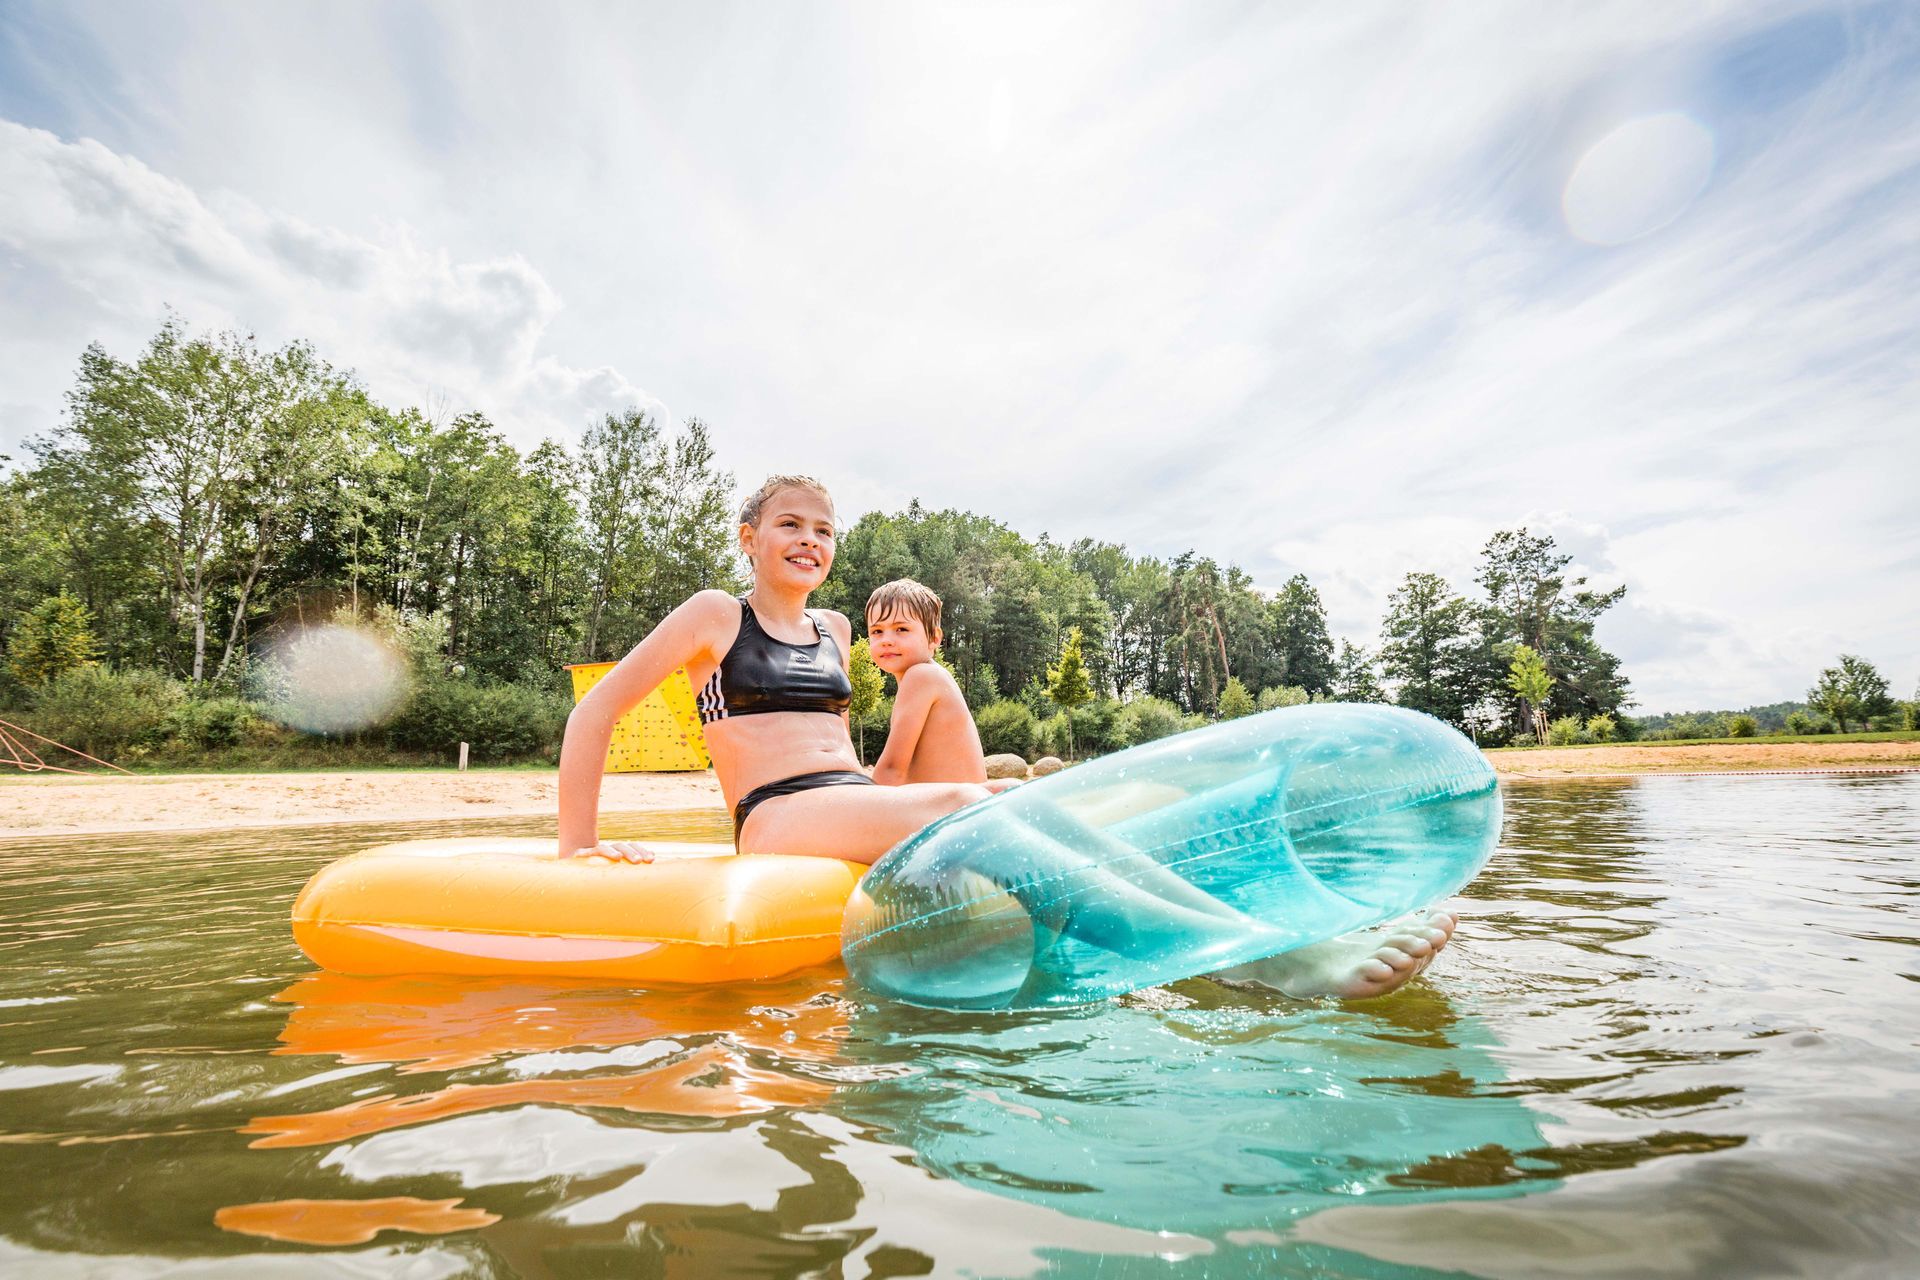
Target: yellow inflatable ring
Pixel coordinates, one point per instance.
(700, 913)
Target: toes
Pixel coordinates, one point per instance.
(1375, 970)
(1395, 959)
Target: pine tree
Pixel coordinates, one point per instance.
(1067, 683)
(1235, 701)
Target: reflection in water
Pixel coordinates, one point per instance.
(349, 1221)
(1674, 1037)
(1204, 1111)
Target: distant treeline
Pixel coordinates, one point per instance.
(195, 499)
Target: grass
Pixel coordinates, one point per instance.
(1893, 735)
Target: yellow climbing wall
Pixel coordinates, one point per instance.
(661, 735)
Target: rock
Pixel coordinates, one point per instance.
(1046, 765)
(1006, 765)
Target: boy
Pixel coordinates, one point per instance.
(932, 737)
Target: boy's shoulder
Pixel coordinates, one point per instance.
(931, 676)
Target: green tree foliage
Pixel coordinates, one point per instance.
(1353, 675)
(1235, 701)
(1067, 683)
(1602, 729)
(1743, 727)
(1300, 638)
(55, 637)
(869, 682)
(1530, 600)
(1528, 677)
(1429, 646)
(1852, 691)
(203, 450)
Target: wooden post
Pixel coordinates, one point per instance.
(463, 757)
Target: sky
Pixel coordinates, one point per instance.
(1338, 289)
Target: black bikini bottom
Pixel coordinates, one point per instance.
(793, 786)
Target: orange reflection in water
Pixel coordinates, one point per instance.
(435, 1023)
(349, 1221)
(708, 1082)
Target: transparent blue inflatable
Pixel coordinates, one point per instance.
(1180, 857)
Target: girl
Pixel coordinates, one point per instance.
(773, 700)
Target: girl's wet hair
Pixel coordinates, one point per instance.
(750, 509)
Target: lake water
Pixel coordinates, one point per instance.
(1676, 1037)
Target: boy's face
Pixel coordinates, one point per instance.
(899, 641)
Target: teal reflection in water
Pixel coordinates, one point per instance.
(1217, 1115)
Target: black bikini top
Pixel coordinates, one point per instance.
(761, 674)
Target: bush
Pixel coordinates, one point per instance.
(499, 721)
(1742, 727)
(102, 712)
(1235, 701)
(1801, 722)
(1006, 728)
(1281, 695)
(1565, 732)
(1148, 719)
(1054, 736)
(1601, 728)
(1096, 727)
(212, 722)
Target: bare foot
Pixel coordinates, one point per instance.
(1356, 967)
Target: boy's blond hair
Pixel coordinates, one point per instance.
(905, 596)
(751, 508)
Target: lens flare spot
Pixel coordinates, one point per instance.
(1638, 179)
(332, 679)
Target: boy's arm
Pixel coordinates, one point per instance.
(911, 706)
(682, 636)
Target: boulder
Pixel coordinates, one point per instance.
(1006, 765)
(1046, 765)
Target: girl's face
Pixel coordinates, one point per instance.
(793, 546)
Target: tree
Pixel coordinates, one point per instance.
(869, 682)
(209, 444)
(55, 637)
(1305, 650)
(1854, 690)
(1353, 675)
(1235, 701)
(1531, 601)
(1428, 646)
(619, 458)
(1528, 677)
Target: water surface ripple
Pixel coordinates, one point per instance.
(1676, 1037)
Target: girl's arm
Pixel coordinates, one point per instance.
(684, 636)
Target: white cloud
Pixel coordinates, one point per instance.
(411, 320)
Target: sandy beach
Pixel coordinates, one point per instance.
(58, 804)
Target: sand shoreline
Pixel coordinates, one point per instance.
(99, 804)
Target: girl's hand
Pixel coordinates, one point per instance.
(616, 851)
